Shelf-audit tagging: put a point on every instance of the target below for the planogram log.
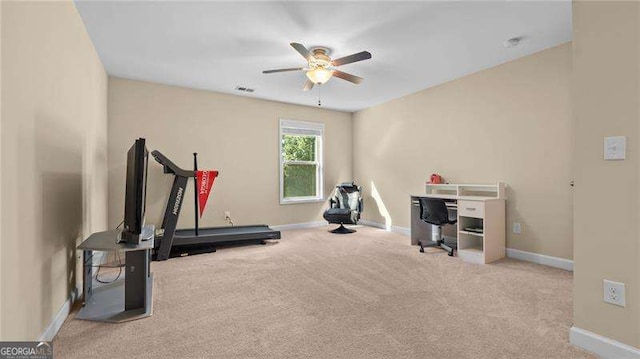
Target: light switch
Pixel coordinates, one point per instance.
(615, 148)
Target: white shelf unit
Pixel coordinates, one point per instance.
(478, 205)
(461, 190)
(475, 234)
(489, 245)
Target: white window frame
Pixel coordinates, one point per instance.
(309, 126)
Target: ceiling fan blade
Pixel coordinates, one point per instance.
(308, 85)
(345, 76)
(282, 70)
(364, 55)
(302, 50)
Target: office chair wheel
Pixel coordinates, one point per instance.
(421, 250)
(450, 254)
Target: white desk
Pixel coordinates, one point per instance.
(477, 206)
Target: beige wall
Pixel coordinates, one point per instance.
(510, 123)
(234, 134)
(53, 137)
(606, 208)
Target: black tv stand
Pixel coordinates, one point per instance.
(129, 297)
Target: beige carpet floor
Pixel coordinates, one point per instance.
(318, 295)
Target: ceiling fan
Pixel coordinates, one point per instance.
(322, 67)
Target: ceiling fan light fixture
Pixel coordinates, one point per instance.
(319, 76)
(321, 67)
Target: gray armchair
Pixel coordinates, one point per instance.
(345, 207)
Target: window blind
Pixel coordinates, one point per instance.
(289, 127)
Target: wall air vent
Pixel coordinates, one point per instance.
(244, 89)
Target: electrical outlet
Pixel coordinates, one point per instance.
(613, 292)
(227, 217)
(517, 228)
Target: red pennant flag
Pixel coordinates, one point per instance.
(205, 182)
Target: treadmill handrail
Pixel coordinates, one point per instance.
(170, 167)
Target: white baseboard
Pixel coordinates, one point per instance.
(550, 261)
(602, 346)
(57, 321)
(284, 227)
(400, 230)
(368, 223)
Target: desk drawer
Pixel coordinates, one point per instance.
(473, 209)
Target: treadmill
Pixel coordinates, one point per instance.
(171, 242)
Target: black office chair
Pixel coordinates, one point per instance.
(434, 211)
(345, 207)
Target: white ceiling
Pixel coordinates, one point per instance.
(219, 45)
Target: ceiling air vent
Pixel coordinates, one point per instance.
(244, 89)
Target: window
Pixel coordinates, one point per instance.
(300, 161)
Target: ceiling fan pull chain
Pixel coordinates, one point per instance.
(319, 103)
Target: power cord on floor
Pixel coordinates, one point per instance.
(119, 266)
(100, 266)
